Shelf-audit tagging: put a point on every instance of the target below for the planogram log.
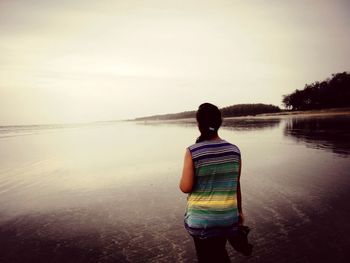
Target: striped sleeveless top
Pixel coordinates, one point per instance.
(213, 202)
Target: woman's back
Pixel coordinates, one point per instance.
(213, 200)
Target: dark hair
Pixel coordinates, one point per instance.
(209, 121)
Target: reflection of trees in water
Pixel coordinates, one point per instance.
(330, 133)
(247, 124)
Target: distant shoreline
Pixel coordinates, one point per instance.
(283, 114)
(322, 112)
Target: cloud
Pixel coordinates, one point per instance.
(97, 59)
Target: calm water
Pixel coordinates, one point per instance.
(109, 192)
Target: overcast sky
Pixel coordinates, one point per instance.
(84, 60)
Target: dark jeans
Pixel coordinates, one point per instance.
(212, 249)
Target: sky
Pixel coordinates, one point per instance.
(86, 60)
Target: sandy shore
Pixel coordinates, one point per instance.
(325, 112)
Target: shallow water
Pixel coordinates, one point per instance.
(108, 192)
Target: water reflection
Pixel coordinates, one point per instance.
(246, 124)
(237, 124)
(321, 133)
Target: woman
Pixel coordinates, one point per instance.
(211, 174)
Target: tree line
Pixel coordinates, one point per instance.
(333, 92)
(170, 116)
(230, 111)
(248, 109)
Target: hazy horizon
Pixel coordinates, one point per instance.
(85, 61)
(100, 121)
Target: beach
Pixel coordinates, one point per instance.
(89, 194)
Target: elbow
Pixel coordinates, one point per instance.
(185, 189)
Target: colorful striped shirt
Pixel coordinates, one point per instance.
(213, 200)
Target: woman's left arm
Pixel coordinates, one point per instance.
(187, 179)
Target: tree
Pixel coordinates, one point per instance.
(330, 93)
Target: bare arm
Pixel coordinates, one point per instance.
(187, 178)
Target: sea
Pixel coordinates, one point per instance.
(109, 191)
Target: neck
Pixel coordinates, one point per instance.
(216, 137)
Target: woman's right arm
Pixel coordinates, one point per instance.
(187, 178)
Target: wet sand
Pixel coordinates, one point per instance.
(283, 230)
(124, 229)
